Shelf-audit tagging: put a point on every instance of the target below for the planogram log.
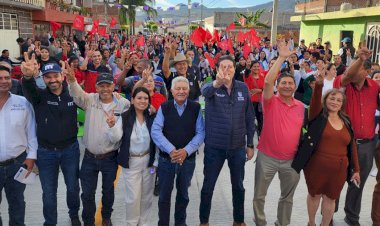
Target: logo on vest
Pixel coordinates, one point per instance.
(220, 95)
(240, 96)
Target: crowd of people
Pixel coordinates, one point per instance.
(311, 110)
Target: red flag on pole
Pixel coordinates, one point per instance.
(230, 46)
(196, 38)
(113, 22)
(246, 50)
(208, 36)
(210, 60)
(230, 27)
(95, 26)
(216, 36)
(78, 23)
(241, 37)
(102, 31)
(54, 27)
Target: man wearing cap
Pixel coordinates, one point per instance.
(58, 148)
(103, 110)
(18, 146)
(346, 50)
(181, 64)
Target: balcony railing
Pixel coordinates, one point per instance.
(38, 3)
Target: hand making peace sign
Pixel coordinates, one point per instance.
(30, 67)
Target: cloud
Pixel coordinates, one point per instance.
(164, 3)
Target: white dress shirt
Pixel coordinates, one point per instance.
(17, 129)
(140, 138)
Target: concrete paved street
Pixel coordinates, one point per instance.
(221, 214)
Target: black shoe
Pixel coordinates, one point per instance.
(331, 222)
(351, 223)
(75, 221)
(107, 222)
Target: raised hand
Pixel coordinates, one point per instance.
(147, 72)
(29, 67)
(68, 70)
(128, 65)
(110, 119)
(167, 47)
(283, 49)
(320, 76)
(363, 52)
(124, 52)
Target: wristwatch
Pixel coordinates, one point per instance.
(249, 145)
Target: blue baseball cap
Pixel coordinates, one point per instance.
(346, 39)
(50, 67)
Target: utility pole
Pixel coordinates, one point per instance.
(106, 15)
(202, 12)
(274, 22)
(188, 15)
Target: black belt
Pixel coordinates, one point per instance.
(100, 156)
(167, 156)
(364, 141)
(11, 161)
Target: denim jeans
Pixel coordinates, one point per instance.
(213, 163)
(14, 192)
(49, 161)
(89, 179)
(167, 172)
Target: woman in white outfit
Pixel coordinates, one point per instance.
(136, 156)
(329, 79)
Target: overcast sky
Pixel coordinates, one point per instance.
(214, 3)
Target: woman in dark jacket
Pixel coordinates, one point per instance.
(136, 156)
(328, 153)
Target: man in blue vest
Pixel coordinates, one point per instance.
(178, 131)
(229, 135)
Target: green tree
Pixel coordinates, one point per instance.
(252, 19)
(128, 16)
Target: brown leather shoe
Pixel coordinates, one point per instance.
(239, 224)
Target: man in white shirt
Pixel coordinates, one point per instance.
(101, 140)
(18, 145)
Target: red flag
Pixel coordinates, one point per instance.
(54, 27)
(216, 36)
(202, 32)
(241, 37)
(196, 38)
(230, 46)
(230, 27)
(140, 42)
(223, 44)
(102, 31)
(208, 36)
(95, 26)
(113, 22)
(210, 60)
(78, 23)
(246, 50)
(253, 39)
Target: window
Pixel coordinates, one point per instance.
(8, 21)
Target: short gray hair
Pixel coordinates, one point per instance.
(179, 79)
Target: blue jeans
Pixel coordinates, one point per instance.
(89, 180)
(14, 192)
(49, 161)
(167, 172)
(213, 163)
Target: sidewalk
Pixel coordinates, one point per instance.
(221, 213)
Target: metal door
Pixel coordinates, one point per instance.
(9, 34)
(373, 40)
